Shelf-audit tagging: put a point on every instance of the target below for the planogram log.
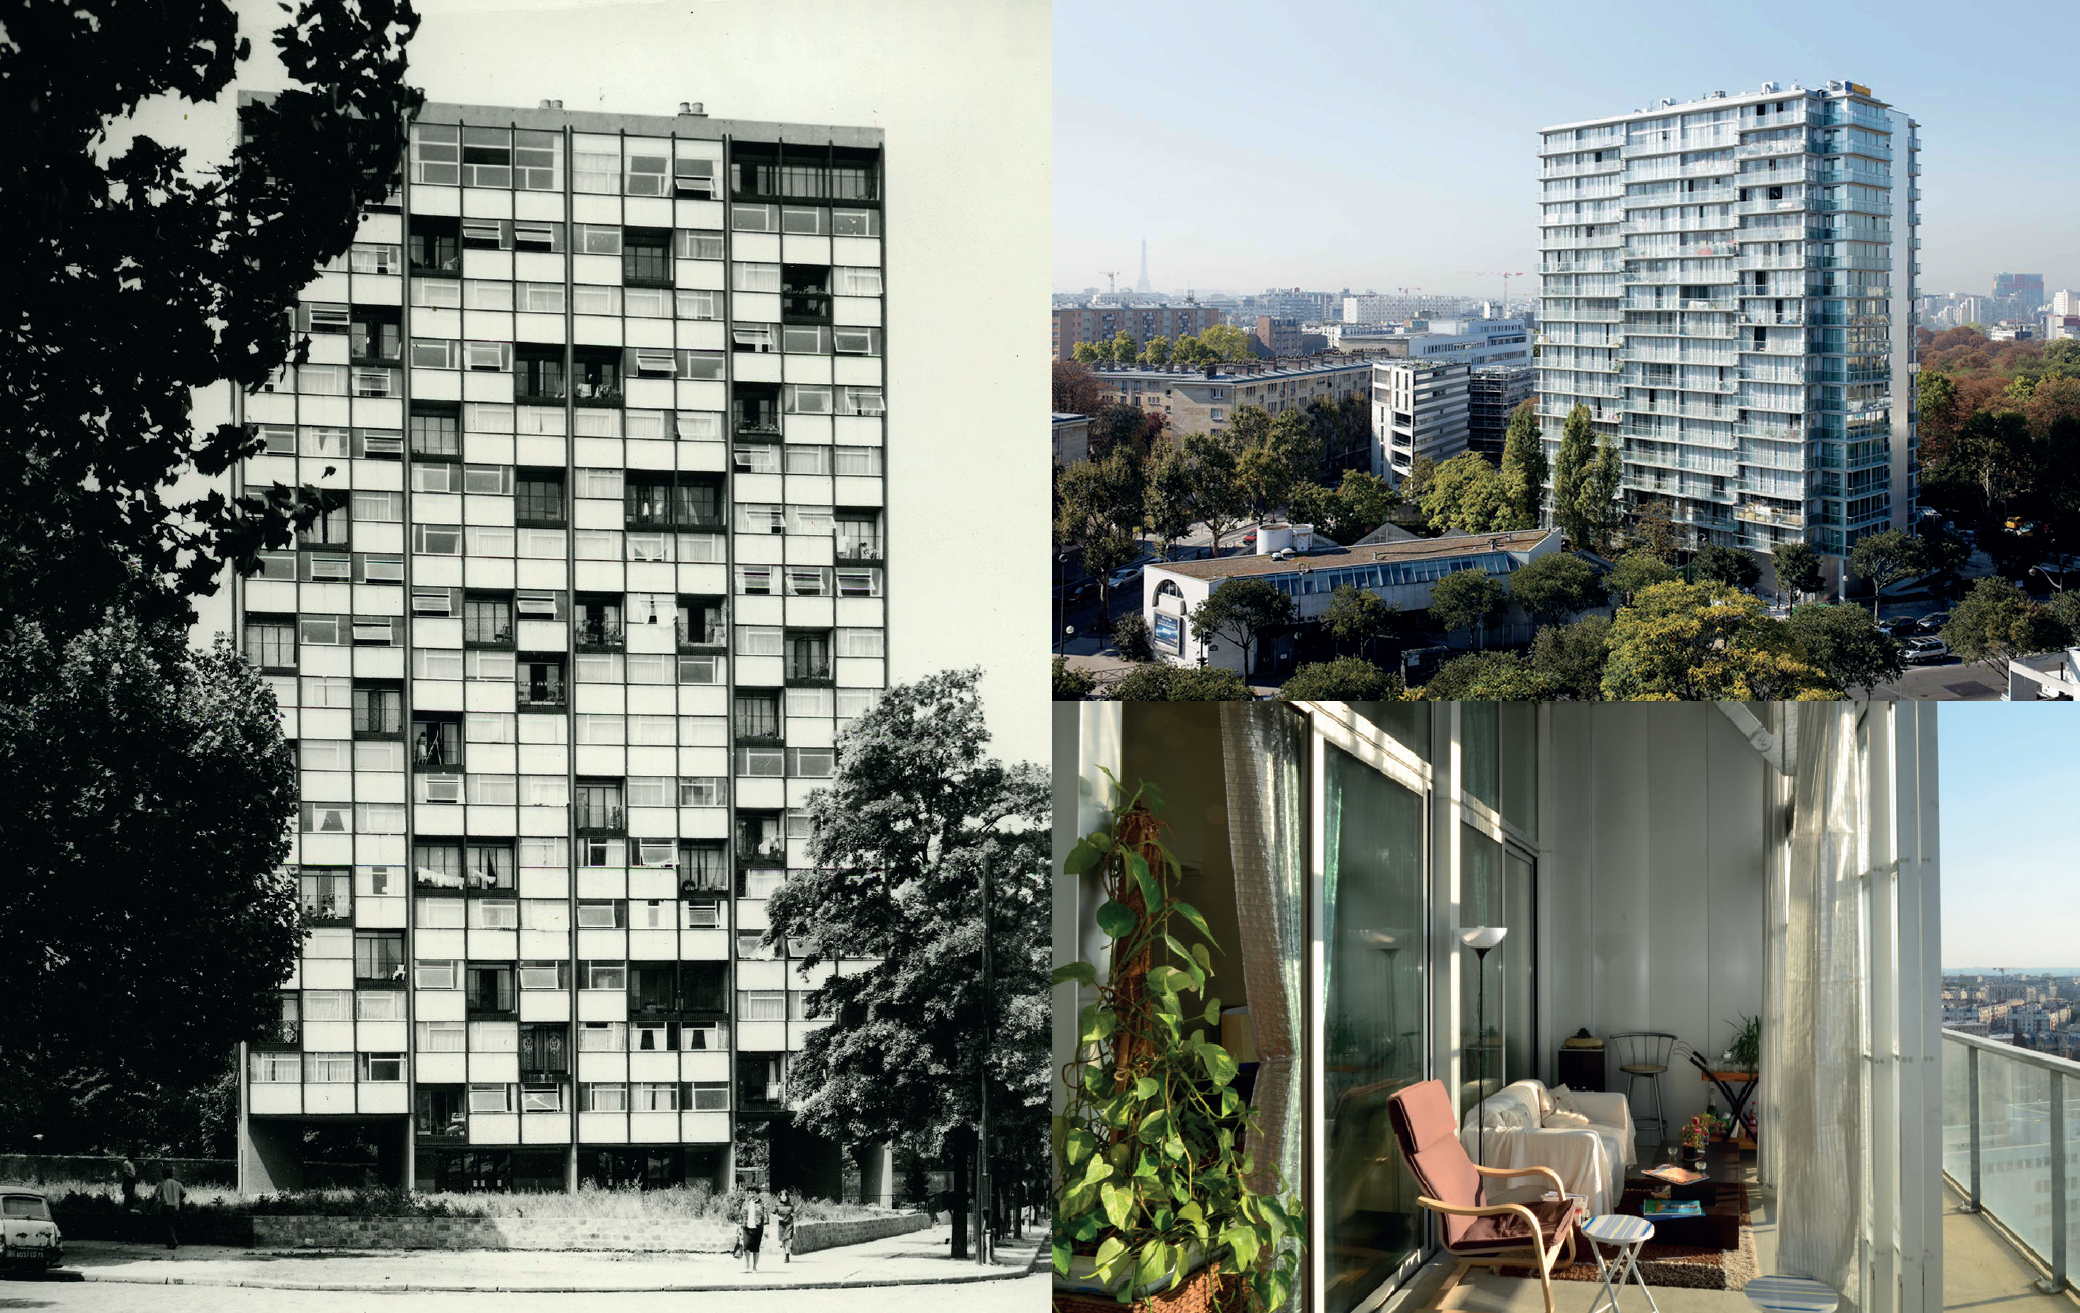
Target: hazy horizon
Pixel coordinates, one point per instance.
(1396, 147)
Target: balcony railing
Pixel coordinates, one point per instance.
(2010, 1117)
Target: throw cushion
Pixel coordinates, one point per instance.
(1564, 1117)
(1545, 1097)
(1563, 1101)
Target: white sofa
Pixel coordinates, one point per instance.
(1591, 1159)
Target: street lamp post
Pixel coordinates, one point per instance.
(982, 1173)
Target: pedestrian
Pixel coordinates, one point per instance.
(753, 1221)
(126, 1173)
(783, 1213)
(170, 1193)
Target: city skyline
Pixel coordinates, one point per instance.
(1430, 209)
(2010, 893)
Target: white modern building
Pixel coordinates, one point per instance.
(1728, 286)
(1310, 570)
(598, 398)
(1419, 408)
(1466, 341)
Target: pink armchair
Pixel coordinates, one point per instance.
(1530, 1234)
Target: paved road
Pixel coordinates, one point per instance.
(1020, 1296)
(1953, 681)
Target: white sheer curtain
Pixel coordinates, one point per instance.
(1815, 1095)
(1262, 746)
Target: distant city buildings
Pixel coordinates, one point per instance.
(1493, 393)
(1205, 400)
(1418, 409)
(1467, 341)
(1140, 322)
(1728, 288)
(1277, 336)
(2026, 290)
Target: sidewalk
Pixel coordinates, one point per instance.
(915, 1259)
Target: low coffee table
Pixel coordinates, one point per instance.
(1717, 1227)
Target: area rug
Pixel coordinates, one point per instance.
(1673, 1265)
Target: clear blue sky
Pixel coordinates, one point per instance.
(1389, 145)
(2010, 781)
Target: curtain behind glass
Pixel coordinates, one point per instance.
(1262, 747)
(1813, 1087)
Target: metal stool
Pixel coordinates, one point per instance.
(1644, 1055)
(1625, 1235)
(1791, 1295)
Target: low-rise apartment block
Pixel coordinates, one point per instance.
(1419, 408)
(1102, 323)
(1205, 400)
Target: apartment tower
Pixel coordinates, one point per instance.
(599, 399)
(1728, 286)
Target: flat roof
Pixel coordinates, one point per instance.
(1785, 92)
(697, 126)
(1067, 417)
(1414, 549)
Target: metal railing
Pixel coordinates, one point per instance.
(2006, 1146)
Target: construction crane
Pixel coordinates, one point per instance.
(1111, 280)
(1496, 273)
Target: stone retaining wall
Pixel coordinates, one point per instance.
(812, 1236)
(639, 1235)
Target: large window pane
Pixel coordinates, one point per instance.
(1520, 765)
(1495, 889)
(1373, 1013)
(1477, 744)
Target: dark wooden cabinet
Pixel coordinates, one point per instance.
(1580, 1069)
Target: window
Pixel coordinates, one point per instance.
(757, 338)
(437, 866)
(487, 357)
(379, 955)
(271, 643)
(435, 243)
(699, 365)
(541, 1098)
(541, 298)
(435, 293)
(436, 974)
(754, 218)
(487, 294)
(605, 975)
(808, 581)
(436, 154)
(538, 373)
(490, 1098)
(694, 178)
(805, 339)
(382, 1066)
(856, 460)
(710, 1096)
(436, 353)
(808, 656)
(856, 341)
(603, 1037)
(746, 277)
(443, 1037)
(646, 257)
(544, 975)
(809, 702)
(328, 1068)
(378, 711)
(436, 434)
(275, 1068)
(602, 914)
(487, 157)
(756, 580)
(327, 893)
(488, 866)
(595, 164)
(656, 1096)
(860, 401)
(603, 1097)
(597, 239)
(806, 399)
(859, 583)
(538, 160)
(693, 244)
(488, 987)
(757, 458)
(373, 258)
(759, 640)
(703, 791)
(851, 280)
(766, 763)
(697, 304)
(653, 853)
(811, 763)
(322, 380)
(487, 620)
(760, 1004)
(860, 642)
(758, 715)
(493, 914)
(855, 223)
(544, 1048)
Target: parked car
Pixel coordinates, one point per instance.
(1969, 537)
(1923, 651)
(1900, 626)
(1934, 621)
(29, 1238)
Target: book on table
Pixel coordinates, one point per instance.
(1671, 1208)
(1674, 1175)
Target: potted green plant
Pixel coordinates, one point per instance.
(1156, 1206)
(1745, 1053)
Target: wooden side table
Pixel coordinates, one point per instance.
(1580, 1069)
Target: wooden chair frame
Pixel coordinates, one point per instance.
(1540, 1256)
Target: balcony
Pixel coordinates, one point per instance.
(809, 669)
(601, 636)
(861, 549)
(542, 691)
(607, 817)
(704, 631)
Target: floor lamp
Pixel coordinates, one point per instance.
(1480, 940)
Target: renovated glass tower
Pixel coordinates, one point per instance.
(1728, 286)
(599, 399)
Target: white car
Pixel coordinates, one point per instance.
(1921, 651)
(28, 1236)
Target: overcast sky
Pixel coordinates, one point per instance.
(2010, 774)
(960, 87)
(1390, 145)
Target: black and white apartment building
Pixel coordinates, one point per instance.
(601, 398)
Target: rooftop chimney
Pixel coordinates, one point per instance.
(691, 109)
(552, 104)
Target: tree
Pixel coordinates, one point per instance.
(1188, 350)
(1573, 656)
(1467, 494)
(1359, 617)
(1489, 677)
(1997, 622)
(1217, 498)
(1637, 570)
(1706, 642)
(1602, 512)
(1556, 585)
(1166, 500)
(1346, 679)
(1089, 353)
(1798, 567)
(1077, 390)
(899, 844)
(2064, 607)
(1994, 451)
(1347, 512)
(1572, 479)
(1467, 599)
(1159, 681)
(1157, 351)
(1847, 645)
(148, 923)
(1937, 397)
(1421, 471)
(1727, 565)
(1266, 478)
(1130, 638)
(1653, 532)
(1070, 684)
(1524, 468)
(1122, 348)
(1098, 507)
(1884, 559)
(1226, 342)
(134, 279)
(1239, 610)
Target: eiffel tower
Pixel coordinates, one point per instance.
(1141, 284)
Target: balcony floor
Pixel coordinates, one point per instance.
(1982, 1270)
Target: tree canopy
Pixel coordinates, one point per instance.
(1468, 495)
(1524, 469)
(1358, 617)
(1556, 586)
(1706, 641)
(1997, 622)
(1719, 563)
(1158, 681)
(1239, 610)
(1885, 558)
(1467, 599)
(1347, 512)
(1489, 677)
(1572, 480)
(1636, 570)
(1346, 679)
(136, 280)
(1798, 567)
(1573, 656)
(1845, 642)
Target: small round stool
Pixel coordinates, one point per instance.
(1625, 1235)
(1791, 1295)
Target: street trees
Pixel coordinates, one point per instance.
(1885, 559)
(1637, 570)
(1602, 513)
(1156, 351)
(1523, 468)
(1358, 617)
(1572, 479)
(1347, 512)
(898, 847)
(1997, 622)
(1240, 610)
(1845, 642)
(1467, 599)
(1466, 493)
(1098, 505)
(147, 922)
(1071, 685)
(1131, 640)
(1705, 642)
(1556, 586)
(1213, 486)
(1346, 679)
(1573, 656)
(1166, 499)
(1727, 565)
(1798, 568)
(1652, 530)
(1076, 389)
(1159, 681)
(1489, 677)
